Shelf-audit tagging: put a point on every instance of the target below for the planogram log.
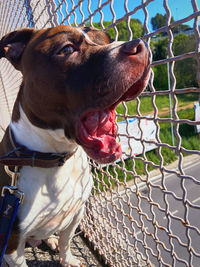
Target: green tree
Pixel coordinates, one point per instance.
(135, 25)
(136, 28)
(158, 21)
(159, 51)
(185, 70)
(159, 48)
(160, 77)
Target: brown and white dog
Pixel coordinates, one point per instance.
(73, 79)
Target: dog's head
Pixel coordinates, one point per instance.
(73, 79)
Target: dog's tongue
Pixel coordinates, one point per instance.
(97, 133)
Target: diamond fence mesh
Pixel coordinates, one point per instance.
(144, 210)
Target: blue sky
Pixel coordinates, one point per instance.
(179, 9)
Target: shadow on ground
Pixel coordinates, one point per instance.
(43, 256)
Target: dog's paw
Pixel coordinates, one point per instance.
(73, 262)
(52, 242)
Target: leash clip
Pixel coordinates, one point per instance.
(14, 175)
(12, 189)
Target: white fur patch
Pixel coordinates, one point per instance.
(54, 197)
(43, 140)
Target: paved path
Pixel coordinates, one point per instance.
(172, 200)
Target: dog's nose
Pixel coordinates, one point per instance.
(134, 47)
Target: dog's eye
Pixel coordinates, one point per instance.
(66, 50)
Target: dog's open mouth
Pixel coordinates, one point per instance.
(97, 129)
(98, 135)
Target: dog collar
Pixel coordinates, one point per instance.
(20, 155)
(11, 197)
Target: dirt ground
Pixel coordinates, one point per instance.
(42, 256)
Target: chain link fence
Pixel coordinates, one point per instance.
(145, 209)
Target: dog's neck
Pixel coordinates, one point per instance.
(38, 139)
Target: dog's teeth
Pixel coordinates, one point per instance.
(85, 132)
(104, 116)
(91, 122)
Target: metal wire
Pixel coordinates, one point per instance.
(132, 219)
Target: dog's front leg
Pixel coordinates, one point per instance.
(65, 236)
(16, 259)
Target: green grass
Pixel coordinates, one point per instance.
(146, 105)
(190, 140)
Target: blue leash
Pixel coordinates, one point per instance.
(11, 199)
(8, 211)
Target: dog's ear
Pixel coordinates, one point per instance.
(13, 44)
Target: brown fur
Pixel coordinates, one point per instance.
(58, 90)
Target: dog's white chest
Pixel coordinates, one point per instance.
(53, 196)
